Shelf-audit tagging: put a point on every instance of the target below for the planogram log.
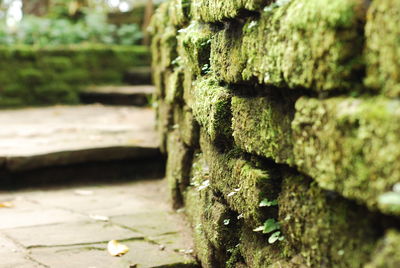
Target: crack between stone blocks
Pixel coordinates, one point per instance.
(85, 243)
(24, 250)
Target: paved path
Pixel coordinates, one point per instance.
(40, 137)
(70, 227)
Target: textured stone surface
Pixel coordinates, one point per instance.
(349, 145)
(387, 252)
(211, 108)
(316, 224)
(262, 126)
(40, 137)
(280, 90)
(155, 235)
(383, 53)
(217, 11)
(308, 44)
(178, 168)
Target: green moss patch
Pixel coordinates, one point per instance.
(43, 76)
(349, 145)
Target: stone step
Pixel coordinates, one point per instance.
(138, 76)
(33, 138)
(139, 95)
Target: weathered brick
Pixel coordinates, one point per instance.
(164, 114)
(218, 11)
(179, 12)
(186, 125)
(174, 86)
(242, 183)
(178, 168)
(349, 145)
(194, 47)
(262, 125)
(212, 109)
(387, 252)
(383, 47)
(308, 44)
(211, 233)
(324, 228)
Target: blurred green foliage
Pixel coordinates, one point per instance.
(91, 28)
(43, 76)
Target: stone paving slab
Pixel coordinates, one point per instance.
(118, 95)
(69, 234)
(39, 137)
(148, 222)
(141, 254)
(155, 235)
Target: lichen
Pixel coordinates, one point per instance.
(349, 145)
(262, 125)
(382, 47)
(212, 109)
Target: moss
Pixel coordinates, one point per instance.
(194, 47)
(217, 11)
(325, 229)
(256, 250)
(241, 182)
(308, 44)
(164, 117)
(349, 145)
(387, 254)
(187, 126)
(382, 47)
(179, 12)
(212, 109)
(178, 168)
(213, 222)
(174, 87)
(204, 250)
(262, 125)
(226, 58)
(37, 76)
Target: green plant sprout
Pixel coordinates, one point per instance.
(267, 203)
(270, 226)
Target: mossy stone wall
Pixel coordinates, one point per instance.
(43, 76)
(281, 121)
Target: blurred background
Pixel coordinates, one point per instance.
(62, 22)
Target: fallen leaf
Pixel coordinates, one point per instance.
(83, 192)
(7, 204)
(99, 217)
(116, 249)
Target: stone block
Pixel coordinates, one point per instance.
(174, 87)
(382, 47)
(349, 145)
(324, 228)
(212, 109)
(242, 183)
(217, 11)
(179, 12)
(262, 125)
(178, 168)
(386, 254)
(187, 126)
(194, 44)
(297, 44)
